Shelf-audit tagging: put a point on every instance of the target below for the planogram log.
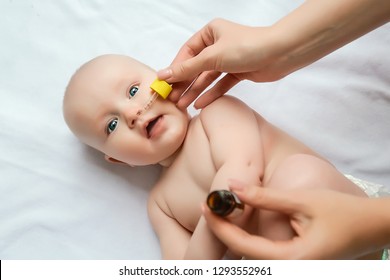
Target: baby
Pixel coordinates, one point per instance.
(104, 107)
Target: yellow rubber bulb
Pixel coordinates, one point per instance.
(161, 87)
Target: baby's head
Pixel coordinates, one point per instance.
(103, 107)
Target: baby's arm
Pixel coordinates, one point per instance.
(173, 237)
(236, 148)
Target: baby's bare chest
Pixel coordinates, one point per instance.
(188, 181)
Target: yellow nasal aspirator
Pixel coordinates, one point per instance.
(159, 87)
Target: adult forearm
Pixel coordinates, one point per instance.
(378, 224)
(318, 27)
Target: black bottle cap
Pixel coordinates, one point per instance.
(221, 202)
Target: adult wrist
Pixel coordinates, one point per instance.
(279, 50)
(379, 210)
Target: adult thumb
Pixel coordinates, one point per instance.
(186, 70)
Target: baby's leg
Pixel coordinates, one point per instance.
(301, 171)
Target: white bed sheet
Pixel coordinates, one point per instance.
(61, 200)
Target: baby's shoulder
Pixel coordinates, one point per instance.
(225, 102)
(227, 107)
(229, 112)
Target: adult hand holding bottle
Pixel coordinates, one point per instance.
(328, 224)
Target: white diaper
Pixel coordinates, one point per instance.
(372, 190)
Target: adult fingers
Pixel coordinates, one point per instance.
(219, 89)
(194, 45)
(271, 199)
(177, 91)
(182, 72)
(191, 58)
(181, 75)
(188, 69)
(197, 87)
(244, 244)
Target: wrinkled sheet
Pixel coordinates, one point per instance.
(61, 200)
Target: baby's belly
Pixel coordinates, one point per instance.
(278, 146)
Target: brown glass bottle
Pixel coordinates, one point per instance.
(224, 203)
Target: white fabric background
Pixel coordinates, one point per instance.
(61, 200)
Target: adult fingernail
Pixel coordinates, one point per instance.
(204, 208)
(164, 74)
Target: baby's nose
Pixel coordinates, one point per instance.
(132, 115)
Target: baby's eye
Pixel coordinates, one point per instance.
(111, 126)
(133, 90)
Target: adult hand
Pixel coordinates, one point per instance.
(221, 46)
(264, 54)
(328, 224)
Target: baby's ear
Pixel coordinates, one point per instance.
(112, 160)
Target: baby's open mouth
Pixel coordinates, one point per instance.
(151, 124)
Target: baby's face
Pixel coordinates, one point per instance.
(102, 105)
